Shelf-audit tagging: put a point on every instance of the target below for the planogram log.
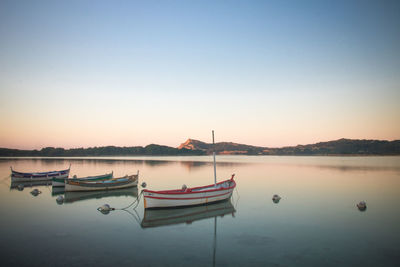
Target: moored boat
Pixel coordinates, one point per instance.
(61, 181)
(190, 196)
(115, 183)
(38, 176)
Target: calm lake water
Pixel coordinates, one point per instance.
(316, 223)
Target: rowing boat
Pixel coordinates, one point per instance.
(61, 181)
(38, 176)
(115, 183)
(190, 196)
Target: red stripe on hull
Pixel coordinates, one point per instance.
(183, 198)
(180, 192)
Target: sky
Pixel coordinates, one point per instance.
(128, 73)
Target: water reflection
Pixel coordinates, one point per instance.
(57, 190)
(21, 185)
(315, 222)
(71, 197)
(163, 217)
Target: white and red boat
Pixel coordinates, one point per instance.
(190, 196)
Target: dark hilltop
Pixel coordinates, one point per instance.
(195, 147)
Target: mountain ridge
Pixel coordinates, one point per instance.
(193, 147)
(334, 147)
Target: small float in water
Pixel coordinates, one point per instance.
(60, 200)
(105, 209)
(362, 206)
(35, 192)
(276, 198)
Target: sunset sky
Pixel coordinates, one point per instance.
(127, 73)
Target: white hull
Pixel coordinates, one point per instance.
(98, 186)
(160, 199)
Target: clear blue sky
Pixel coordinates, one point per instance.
(273, 73)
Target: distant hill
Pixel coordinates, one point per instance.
(195, 147)
(337, 147)
(221, 147)
(150, 150)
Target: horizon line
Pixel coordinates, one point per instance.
(206, 143)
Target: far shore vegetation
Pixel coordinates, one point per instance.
(195, 148)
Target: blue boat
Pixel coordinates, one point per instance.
(38, 176)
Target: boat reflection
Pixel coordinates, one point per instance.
(21, 185)
(163, 217)
(71, 197)
(57, 190)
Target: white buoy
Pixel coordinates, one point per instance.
(105, 209)
(20, 187)
(276, 198)
(60, 200)
(144, 184)
(362, 206)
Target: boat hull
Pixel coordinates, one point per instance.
(193, 197)
(44, 176)
(117, 183)
(58, 182)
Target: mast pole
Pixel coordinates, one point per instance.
(215, 168)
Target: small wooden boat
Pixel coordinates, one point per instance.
(163, 217)
(61, 181)
(115, 183)
(190, 196)
(38, 176)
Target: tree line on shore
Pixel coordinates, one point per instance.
(150, 150)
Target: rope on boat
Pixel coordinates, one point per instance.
(137, 200)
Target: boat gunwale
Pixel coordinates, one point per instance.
(13, 172)
(85, 178)
(189, 198)
(180, 192)
(129, 179)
